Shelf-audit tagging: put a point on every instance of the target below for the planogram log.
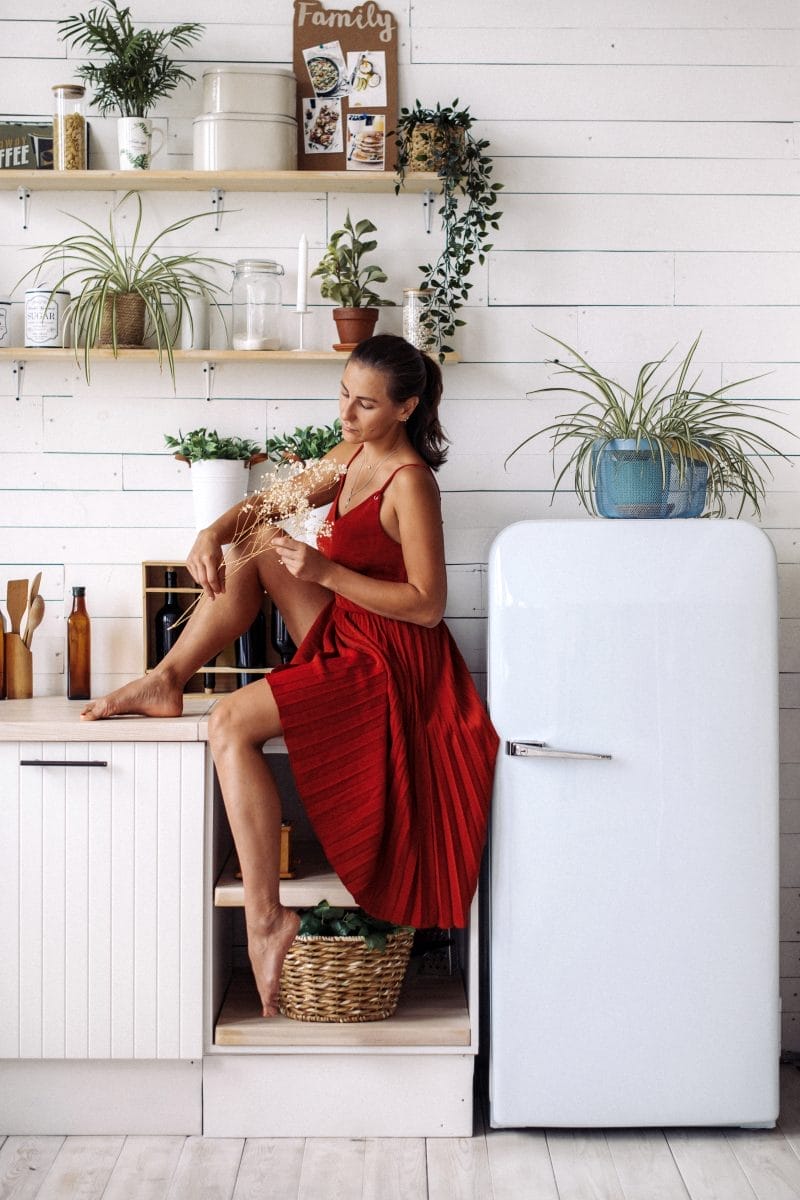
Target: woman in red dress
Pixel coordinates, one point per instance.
(390, 746)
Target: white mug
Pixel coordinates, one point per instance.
(135, 142)
(194, 331)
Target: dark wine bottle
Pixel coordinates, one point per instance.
(281, 641)
(166, 619)
(251, 649)
(79, 648)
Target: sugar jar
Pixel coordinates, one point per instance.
(257, 305)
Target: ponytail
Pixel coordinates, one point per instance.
(409, 372)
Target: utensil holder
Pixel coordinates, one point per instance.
(19, 668)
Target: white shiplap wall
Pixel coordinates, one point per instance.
(650, 157)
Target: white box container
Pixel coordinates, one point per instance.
(244, 142)
(44, 316)
(5, 321)
(248, 89)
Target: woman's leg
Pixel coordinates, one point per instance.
(240, 723)
(251, 570)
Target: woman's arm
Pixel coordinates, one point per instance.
(411, 512)
(314, 485)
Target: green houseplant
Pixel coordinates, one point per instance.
(440, 139)
(660, 449)
(219, 469)
(307, 442)
(135, 70)
(348, 281)
(123, 289)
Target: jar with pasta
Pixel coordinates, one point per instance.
(69, 128)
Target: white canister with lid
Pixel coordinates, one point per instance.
(256, 296)
(244, 142)
(45, 311)
(249, 89)
(5, 321)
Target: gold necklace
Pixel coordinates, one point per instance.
(370, 472)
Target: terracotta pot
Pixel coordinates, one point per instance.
(353, 326)
(130, 320)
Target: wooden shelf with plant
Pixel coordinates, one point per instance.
(101, 180)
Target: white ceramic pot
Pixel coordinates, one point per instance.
(244, 142)
(217, 484)
(135, 143)
(249, 89)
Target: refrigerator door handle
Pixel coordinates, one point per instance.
(542, 750)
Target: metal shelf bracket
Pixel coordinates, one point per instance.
(427, 208)
(208, 371)
(217, 203)
(17, 370)
(25, 197)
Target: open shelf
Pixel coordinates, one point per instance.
(146, 354)
(234, 181)
(432, 1011)
(314, 881)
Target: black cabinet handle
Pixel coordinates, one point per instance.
(59, 762)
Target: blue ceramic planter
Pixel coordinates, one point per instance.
(629, 481)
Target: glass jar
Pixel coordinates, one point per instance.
(415, 328)
(257, 305)
(69, 128)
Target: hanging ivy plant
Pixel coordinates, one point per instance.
(440, 139)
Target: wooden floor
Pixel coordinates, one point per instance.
(634, 1164)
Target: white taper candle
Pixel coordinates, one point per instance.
(302, 273)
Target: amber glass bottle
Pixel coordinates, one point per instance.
(79, 648)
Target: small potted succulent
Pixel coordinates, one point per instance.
(668, 449)
(219, 468)
(346, 280)
(133, 73)
(440, 139)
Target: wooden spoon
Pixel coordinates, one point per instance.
(35, 617)
(34, 589)
(16, 600)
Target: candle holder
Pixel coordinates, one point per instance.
(301, 313)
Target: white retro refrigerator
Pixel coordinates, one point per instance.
(634, 839)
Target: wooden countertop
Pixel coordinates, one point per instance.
(55, 719)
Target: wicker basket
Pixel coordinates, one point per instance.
(340, 979)
(130, 310)
(430, 144)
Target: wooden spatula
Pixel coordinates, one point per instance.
(16, 600)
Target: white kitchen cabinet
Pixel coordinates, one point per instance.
(101, 926)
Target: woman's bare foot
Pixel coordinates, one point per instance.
(267, 950)
(158, 694)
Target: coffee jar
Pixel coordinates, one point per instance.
(256, 300)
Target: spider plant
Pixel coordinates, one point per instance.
(136, 71)
(106, 269)
(675, 421)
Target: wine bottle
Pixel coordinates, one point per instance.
(79, 648)
(281, 641)
(251, 648)
(166, 619)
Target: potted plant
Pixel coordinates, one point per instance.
(306, 443)
(344, 966)
(134, 72)
(219, 467)
(440, 139)
(346, 280)
(126, 292)
(660, 450)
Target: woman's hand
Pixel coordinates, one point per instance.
(299, 559)
(205, 563)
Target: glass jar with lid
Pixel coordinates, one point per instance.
(69, 128)
(416, 323)
(257, 304)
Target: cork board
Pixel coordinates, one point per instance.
(345, 63)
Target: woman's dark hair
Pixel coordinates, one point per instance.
(409, 373)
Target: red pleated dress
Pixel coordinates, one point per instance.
(391, 748)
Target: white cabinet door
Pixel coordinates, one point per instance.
(101, 907)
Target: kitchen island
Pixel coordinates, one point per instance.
(127, 1005)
